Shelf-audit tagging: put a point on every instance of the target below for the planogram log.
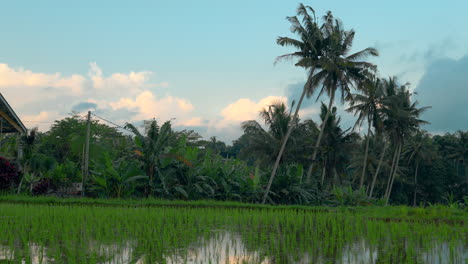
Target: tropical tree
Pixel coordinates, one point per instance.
(459, 152)
(308, 50)
(401, 119)
(420, 149)
(339, 70)
(151, 148)
(366, 106)
(265, 143)
(115, 178)
(336, 148)
(320, 48)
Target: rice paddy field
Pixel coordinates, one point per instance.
(53, 230)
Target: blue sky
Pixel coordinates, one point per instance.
(198, 58)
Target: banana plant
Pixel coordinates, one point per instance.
(115, 179)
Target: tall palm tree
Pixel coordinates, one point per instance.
(308, 50)
(366, 104)
(420, 149)
(401, 119)
(339, 70)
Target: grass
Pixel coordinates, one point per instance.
(76, 230)
(392, 213)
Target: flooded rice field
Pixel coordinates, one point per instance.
(93, 234)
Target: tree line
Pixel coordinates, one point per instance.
(285, 160)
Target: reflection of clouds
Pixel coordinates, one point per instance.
(223, 247)
(226, 247)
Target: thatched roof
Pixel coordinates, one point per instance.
(9, 121)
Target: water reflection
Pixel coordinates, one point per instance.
(228, 247)
(223, 247)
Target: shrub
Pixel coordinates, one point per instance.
(8, 173)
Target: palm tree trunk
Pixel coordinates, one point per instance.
(391, 171)
(415, 184)
(378, 169)
(323, 175)
(394, 173)
(283, 146)
(317, 143)
(361, 182)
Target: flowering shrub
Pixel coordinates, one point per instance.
(8, 173)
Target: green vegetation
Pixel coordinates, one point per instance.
(127, 231)
(286, 160)
(288, 190)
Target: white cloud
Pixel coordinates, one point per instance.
(246, 109)
(41, 97)
(149, 106)
(125, 83)
(19, 79)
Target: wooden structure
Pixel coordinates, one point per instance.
(9, 121)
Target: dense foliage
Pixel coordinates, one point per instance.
(285, 160)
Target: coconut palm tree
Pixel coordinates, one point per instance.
(401, 119)
(337, 145)
(264, 143)
(366, 105)
(339, 71)
(308, 49)
(150, 150)
(420, 149)
(459, 152)
(381, 137)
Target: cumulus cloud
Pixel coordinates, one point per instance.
(42, 97)
(148, 106)
(228, 125)
(24, 86)
(246, 109)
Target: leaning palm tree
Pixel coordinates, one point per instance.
(339, 70)
(366, 104)
(308, 50)
(314, 44)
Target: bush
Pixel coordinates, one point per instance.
(8, 173)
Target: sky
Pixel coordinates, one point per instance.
(209, 65)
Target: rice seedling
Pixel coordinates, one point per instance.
(86, 231)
